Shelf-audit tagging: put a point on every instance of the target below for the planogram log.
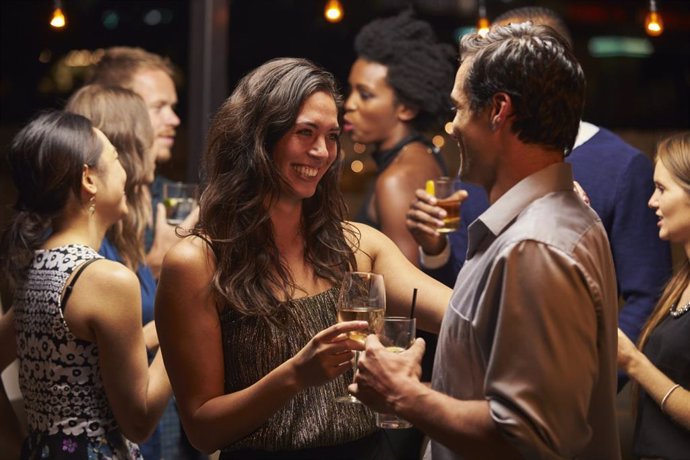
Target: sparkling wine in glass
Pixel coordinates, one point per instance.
(362, 297)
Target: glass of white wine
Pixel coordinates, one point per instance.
(179, 199)
(362, 297)
(397, 335)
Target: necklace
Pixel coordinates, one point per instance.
(677, 313)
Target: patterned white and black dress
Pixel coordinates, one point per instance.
(59, 374)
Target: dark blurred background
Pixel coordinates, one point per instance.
(638, 86)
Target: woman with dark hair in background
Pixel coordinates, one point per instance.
(399, 87)
(660, 365)
(253, 291)
(76, 330)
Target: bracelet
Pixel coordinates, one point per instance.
(668, 393)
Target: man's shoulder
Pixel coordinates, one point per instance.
(605, 144)
(613, 173)
(558, 220)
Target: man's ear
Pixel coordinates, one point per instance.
(88, 182)
(501, 109)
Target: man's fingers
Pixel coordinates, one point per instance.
(460, 195)
(415, 226)
(424, 197)
(417, 349)
(373, 342)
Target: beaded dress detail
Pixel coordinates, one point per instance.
(253, 347)
(59, 374)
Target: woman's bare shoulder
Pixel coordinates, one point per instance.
(191, 252)
(414, 161)
(190, 247)
(105, 274)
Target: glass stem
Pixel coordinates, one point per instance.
(354, 366)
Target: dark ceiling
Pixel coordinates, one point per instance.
(624, 92)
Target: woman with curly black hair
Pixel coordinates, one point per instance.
(400, 87)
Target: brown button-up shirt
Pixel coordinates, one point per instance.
(531, 325)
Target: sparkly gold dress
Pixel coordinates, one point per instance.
(253, 347)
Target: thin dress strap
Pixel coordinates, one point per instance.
(68, 289)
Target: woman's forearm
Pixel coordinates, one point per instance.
(659, 387)
(225, 419)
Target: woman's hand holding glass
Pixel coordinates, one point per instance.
(328, 354)
(362, 297)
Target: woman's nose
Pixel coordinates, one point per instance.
(319, 148)
(350, 103)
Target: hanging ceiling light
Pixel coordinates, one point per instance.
(333, 11)
(483, 22)
(653, 24)
(58, 20)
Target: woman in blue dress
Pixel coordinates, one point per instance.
(122, 116)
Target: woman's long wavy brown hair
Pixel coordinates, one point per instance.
(122, 116)
(251, 277)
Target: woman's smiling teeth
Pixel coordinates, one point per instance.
(306, 171)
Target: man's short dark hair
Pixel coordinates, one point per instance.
(535, 66)
(536, 15)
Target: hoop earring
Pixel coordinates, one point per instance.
(92, 205)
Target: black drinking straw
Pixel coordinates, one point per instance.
(414, 301)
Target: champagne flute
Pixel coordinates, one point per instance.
(362, 297)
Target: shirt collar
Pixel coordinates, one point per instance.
(585, 133)
(554, 178)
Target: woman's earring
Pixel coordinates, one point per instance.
(92, 205)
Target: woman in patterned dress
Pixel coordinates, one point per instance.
(76, 330)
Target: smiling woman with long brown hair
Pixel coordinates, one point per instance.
(246, 306)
